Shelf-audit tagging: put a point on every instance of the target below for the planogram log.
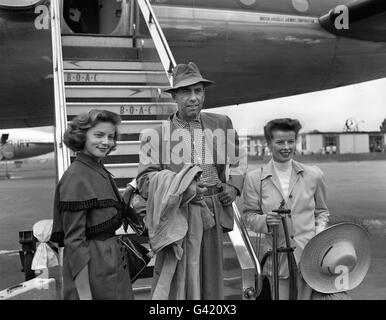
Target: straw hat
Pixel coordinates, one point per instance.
(337, 259)
(185, 75)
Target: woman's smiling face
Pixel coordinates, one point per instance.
(283, 145)
(100, 140)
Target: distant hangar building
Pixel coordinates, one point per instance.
(341, 142)
(331, 142)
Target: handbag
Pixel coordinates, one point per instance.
(137, 256)
(135, 210)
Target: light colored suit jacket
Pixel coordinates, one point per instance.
(306, 200)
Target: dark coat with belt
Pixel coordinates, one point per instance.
(87, 211)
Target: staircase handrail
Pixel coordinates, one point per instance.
(62, 152)
(239, 237)
(158, 37)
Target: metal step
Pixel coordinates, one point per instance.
(122, 158)
(75, 76)
(132, 92)
(142, 288)
(139, 292)
(122, 186)
(135, 127)
(233, 292)
(78, 40)
(124, 109)
(144, 43)
(130, 127)
(126, 147)
(123, 170)
(89, 64)
(100, 53)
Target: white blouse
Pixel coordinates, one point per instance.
(283, 171)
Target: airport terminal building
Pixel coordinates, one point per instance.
(331, 142)
(342, 142)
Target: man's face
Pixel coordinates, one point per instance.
(283, 145)
(190, 101)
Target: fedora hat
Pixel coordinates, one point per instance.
(186, 75)
(337, 259)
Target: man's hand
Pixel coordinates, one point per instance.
(228, 195)
(200, 190)
(273, 219)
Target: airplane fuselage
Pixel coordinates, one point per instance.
(253, 49)
(266, 50)
(314, 8)
(22, 150)
(24, 143)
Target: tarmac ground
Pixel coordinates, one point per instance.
(356, 192)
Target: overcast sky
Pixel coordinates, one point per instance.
(323, 110)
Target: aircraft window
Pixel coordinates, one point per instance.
(301, 5)
(248, 2)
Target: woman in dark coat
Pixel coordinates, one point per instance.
(88, 211)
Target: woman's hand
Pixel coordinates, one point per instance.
(272, 219)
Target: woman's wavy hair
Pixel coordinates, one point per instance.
(75, 135)
(283, 124)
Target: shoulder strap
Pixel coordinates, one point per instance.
(258, 238)
(261, 191)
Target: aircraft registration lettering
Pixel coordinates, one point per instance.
(286, 19)
(136, 110)
(81, 77)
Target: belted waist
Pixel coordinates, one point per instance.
(102, 236)
(212, 190)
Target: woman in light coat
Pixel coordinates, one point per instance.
(303, 190)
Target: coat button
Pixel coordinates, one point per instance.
(124, 266)
(290, 196)
(292, 236)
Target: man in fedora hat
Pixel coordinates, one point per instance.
(209, 141)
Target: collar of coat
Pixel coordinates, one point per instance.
(93, 164)
(207, 120)
(268, 170)
(174, 117)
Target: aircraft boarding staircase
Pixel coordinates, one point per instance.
(126, 74)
